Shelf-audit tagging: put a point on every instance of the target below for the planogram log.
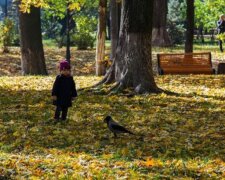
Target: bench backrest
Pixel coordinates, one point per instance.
(186, 63)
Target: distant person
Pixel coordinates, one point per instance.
(63, 91)
(221, 29)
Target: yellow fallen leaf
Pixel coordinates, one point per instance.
(150, 162)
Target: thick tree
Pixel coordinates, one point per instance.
(100, 47)
(115, 14)
(190, 26)
(33, 61)
(160, 36)
(132, 63)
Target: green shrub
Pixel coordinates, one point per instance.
(83, 40)
(8, 36)
(176, 32)
(83, 37)
(85, 27)
(176, 20)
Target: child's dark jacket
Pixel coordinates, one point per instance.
(64, 89)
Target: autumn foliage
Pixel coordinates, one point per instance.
(179, 134)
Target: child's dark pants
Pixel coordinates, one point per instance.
(60, 109)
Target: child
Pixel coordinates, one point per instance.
(221, 29)
(63, 91)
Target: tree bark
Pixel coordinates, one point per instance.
(132, 63)
(190, 26)
(115, 15)
(100, 48)
(32, 61)
(108, 34)
(160, 36)
(68, 19)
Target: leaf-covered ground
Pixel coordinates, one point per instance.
(83, 62)
(178, 136)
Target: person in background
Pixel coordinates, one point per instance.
(221, 29)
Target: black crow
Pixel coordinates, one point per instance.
(114, 127)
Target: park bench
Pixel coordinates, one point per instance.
(185, 63)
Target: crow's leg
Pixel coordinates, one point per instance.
(115, 136)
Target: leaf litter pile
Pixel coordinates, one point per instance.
(178, 136)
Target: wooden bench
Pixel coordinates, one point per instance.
(185, 63)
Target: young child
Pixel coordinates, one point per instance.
(63, 91)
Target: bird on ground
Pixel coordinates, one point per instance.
(114, 127)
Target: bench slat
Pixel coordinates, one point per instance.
(189, 63)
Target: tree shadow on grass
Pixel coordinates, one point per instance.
(167, 126)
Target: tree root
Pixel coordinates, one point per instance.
(117, 88)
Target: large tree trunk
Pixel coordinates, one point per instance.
(160, 36)
(190, 26)
(100, 48)
(68, 19)
(132, 63)
(33, 61)
(108, 33)
(115, 15)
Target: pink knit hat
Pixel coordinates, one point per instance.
(64, 65)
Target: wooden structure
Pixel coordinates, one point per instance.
(185, 63)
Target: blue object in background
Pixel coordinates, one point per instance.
(4, 4)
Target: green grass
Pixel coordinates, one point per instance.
(179, 136)
(197, 45)
(52, 43)
(49, 43)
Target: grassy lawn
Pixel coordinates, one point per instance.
(178, 136)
